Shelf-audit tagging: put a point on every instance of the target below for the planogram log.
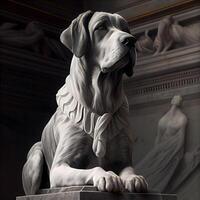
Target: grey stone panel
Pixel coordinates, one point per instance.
(90, 193)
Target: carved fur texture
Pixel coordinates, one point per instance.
(88, 140)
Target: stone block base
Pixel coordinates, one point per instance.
(91, 193)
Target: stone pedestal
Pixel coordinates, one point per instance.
(91, 193)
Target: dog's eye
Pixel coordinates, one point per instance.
(101, 27)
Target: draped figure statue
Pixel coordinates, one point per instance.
(159, 165)
(189, 164)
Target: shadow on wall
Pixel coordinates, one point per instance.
(19, 130)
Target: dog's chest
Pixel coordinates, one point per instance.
(83, 156)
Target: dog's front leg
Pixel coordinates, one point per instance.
(133, 182)
(64, 175)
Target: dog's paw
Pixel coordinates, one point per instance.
(135, 183)
(108, 182)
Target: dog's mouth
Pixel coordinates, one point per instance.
(119, 64)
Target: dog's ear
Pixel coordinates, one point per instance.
(129, 71)
(130, 66)
(75, 37)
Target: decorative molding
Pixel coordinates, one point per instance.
(162, 88)
(171, 61)
(160, 77)
(177, 59)
(187, 16)
(164, 83)
(153, 9)
(152, 99)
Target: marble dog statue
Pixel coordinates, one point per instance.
(87, 141)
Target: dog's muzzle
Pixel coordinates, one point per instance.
(128, 57)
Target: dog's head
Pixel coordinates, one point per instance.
(104, 38)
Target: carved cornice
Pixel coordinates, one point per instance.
(164, 83)
(189, 15)
(177, 59)
(159, 78)
(154, 9)
(164, 89)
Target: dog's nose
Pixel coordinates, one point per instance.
(129, 41)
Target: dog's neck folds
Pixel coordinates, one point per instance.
(100, 127)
